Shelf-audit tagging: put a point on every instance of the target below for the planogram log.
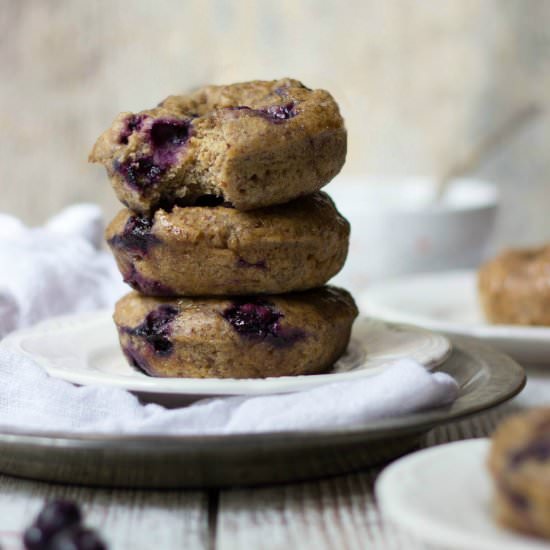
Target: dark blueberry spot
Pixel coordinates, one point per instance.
(55, 517)
(253, 318)
(257, 319)
(35, 538)
(538, 451)
(146, 286)
(241, 262)
(169, 133)
(136, 235)
(279, 113)
(167, 137)
(58, 514)
(132, 124)
(156, 329)
(516, 499)
(273, 113)
(139, 173)
(77, 538)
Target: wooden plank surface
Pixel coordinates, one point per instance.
(336, 513)
(137, 520)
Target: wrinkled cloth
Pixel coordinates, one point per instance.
(30, 400)
(55, 269)
(60, 268)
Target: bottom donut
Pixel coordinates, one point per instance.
(238, 337)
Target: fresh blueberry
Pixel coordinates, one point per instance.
(259, 320)
(35, 538)
(136, 235)
(56, 516)
(77, 538)
(156, 329)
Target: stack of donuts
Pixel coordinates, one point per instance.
(226, 237)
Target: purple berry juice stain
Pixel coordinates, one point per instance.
(136, 236)
(259, 320)
(155, 330)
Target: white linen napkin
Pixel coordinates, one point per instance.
(55, 269)
(59, 268)
(30, 400)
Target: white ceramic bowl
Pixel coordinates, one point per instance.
(398, 227)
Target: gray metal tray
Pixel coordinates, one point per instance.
(486, 378)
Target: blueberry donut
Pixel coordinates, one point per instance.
(252, 144)
(514, 288)
(519, 462)
(240, 337)
(202, 250)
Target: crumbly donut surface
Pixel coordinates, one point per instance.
(193, 251)
(514, 287)
(254, 144)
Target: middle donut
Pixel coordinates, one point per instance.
(218, 250)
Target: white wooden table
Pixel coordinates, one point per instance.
(334, 513)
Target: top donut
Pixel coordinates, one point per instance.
(251, 144)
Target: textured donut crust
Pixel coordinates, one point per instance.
(206, 345)
(222, 251)
(527, 482)
(249, 159)
(514, 288)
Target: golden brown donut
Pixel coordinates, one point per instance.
(194, 251)
(514, 287)
(253, 144)
(240, 337)
(519, 462)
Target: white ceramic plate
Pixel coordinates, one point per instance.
(442, 496)
(447, 302)
(84, 349)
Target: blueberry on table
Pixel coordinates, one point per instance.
(56, 516)
(35, 538)
(58, 526)
(77, 538)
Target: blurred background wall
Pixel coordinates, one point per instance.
(417, 82)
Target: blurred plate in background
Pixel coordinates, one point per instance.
(442, 497)
(447, 302)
